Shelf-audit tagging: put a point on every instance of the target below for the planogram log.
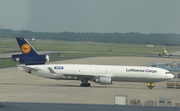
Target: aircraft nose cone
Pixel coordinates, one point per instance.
(171, 76)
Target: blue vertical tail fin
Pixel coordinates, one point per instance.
(29, 55)
(26, 47)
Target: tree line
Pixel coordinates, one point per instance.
(170, 39)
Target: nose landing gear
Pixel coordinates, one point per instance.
(150, 85)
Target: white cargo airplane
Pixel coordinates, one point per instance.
(33, 63)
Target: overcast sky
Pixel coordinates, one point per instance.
(123, 16)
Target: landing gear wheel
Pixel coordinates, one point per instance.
(88, 84)
(150, 87)
(85, 83)
(81, 85)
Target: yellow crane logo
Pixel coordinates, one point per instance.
(25, 48)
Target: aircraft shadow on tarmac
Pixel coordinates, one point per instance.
(65, 85)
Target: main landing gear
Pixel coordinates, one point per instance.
(150, 85)
(85, 83)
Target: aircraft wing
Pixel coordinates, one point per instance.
(76, 76)
(90, 77)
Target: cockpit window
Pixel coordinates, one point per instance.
(167, 73)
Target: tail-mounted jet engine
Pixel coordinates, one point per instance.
(31, 59)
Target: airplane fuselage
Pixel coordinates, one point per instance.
(93, 72)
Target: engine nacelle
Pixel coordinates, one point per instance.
(104, 80)
(31, 59)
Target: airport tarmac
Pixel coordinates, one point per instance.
(18, 86)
